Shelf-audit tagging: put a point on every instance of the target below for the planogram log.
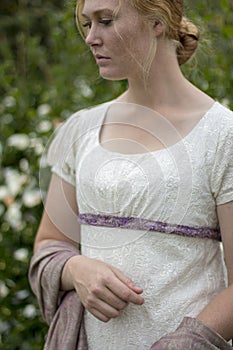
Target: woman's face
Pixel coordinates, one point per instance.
(120, 44)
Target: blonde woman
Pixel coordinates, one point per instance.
(145, 184)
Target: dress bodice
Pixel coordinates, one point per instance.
(178, 185)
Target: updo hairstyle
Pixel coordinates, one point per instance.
(178, 28)
(169, 12)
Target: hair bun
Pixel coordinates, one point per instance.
(189, 36)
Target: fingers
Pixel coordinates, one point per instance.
(107, 302)
(99, 315)
(127, 294)
(127, 281)
(101, 309)
(120, 287)
(111, 299)
(104, 305)
(103, 289)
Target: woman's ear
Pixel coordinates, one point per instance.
(159, 28)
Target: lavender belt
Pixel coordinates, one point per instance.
(148, 225)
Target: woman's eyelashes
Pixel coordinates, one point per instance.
(105, 22)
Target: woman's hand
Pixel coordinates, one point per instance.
(103, 289)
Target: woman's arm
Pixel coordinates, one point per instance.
(218, 314)
(103, 289)
(59, 220)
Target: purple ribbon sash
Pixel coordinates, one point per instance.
(135, 223)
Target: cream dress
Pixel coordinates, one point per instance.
(181, 184)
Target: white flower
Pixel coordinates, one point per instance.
(14, 180)
(31, 198)
(9, 101)
(44, 126)
(65, 114)
(225, 102)
(29, 311)
(44, 109)
(13, 216)
(4, 192)
(20, 141)
(24, 164)
(21, 254)
(22, 294)
(85, 89)
(4, 291)
(7, 118)
(37, 144)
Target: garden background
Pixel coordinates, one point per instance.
(46, 73)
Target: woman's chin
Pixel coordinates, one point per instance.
(110, 75)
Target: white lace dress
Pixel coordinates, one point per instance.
(180, 185)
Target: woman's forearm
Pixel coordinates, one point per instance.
(218, 314)
(66, 277)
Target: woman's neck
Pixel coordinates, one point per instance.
(166, 89)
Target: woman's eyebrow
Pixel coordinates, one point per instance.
(99, 12)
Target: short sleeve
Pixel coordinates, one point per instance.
(62, 151)
(222, 171)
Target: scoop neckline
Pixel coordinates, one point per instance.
(155, 152)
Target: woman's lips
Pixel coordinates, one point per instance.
(101, 59)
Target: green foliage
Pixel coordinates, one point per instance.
(214, 73)
(46, 73)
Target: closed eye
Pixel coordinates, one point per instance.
(106, 22)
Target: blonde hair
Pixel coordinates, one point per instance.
(169, 12)
(79, 8)
(178, 28)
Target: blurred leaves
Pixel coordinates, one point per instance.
(46, 73)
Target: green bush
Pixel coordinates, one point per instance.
(46, 73)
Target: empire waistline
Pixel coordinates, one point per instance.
(135, 223)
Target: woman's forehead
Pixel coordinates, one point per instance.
(93, 6)
(98, 7)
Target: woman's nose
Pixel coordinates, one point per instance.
(93, 37)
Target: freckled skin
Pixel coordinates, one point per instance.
(123, 40)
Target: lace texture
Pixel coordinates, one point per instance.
(180, 185)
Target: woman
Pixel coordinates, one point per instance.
(150, 178)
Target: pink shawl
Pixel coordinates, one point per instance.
(62, 311)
